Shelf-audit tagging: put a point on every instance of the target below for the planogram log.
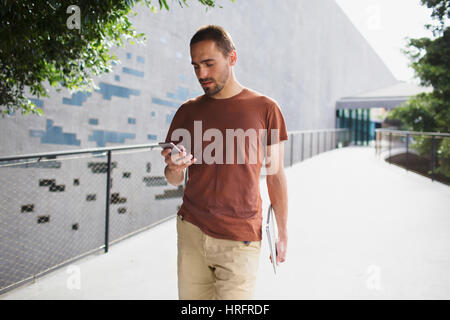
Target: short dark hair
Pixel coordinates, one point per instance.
(216, 33)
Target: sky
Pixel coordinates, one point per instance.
(385, 24)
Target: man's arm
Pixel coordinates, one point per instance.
(175, 178)
(277, 189)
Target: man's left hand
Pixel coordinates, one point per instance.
(281, 250)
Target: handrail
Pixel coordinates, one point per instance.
(129, 147)
(72, 152)
(441, 134)
(431, 136)
(316, 130)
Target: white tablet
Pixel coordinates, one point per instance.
(271, 230)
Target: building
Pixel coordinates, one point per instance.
(363, 113)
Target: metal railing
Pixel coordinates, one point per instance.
(57, 207)
(304, 144)
(426, 153)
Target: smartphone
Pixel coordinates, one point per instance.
(169, 145)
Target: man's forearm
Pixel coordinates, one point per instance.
(277, 189)
(175, 178)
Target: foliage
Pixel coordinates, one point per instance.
(431, 62)
(440, 12)
(430, 59)
(38, 46)
(430, 112)
(423, 145)
(423, 113)
(443, 155)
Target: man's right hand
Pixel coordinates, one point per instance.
(177, 162)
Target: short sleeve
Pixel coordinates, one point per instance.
(177, 122)
(276, 127)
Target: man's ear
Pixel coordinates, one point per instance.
(232, 57)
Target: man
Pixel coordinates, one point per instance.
(219, 223)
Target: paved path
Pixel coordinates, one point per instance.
(359, 229)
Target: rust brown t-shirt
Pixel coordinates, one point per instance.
(222, 195)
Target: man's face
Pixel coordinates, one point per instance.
(211, 67)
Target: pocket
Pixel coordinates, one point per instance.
(252, 249)
(255, 244)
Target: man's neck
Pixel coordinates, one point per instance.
(231, 89)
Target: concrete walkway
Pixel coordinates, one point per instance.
(359, 228)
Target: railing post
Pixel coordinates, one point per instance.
(108, 196)
(432, 157)
(407, 148)
(334, 140)
(303, 140)
(367, 126)
(356, 127)
(318, 142)
(292, 149)
(377, 142)
(390, 141)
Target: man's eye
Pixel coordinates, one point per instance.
(209, 65)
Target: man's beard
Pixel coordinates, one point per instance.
(218, 85)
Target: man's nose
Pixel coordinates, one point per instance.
(202, 73)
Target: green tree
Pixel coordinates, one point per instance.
(430, 112)
(50, 41)
(430, 59)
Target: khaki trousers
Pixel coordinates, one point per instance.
(211, 268)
